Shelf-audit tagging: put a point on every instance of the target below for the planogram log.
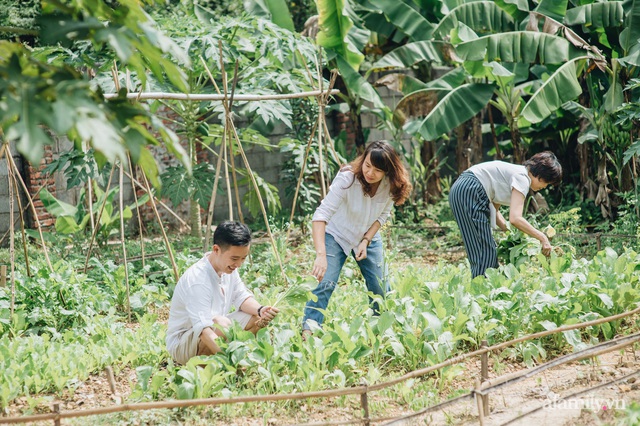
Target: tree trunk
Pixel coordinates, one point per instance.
(519, 151)
(429, 157)
(469, 146)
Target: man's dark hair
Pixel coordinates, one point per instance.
(230, 233)
(545, 166)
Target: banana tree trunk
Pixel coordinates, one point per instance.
(429, 156)
(469, 146)
(519, 151)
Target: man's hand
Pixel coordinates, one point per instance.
(268, 313)
(319, 267)
(222, 321)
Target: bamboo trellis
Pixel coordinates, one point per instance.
(231, 135)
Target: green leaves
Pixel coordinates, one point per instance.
(179, 185)
(596, 15)
(275, 10)
(334, 32)
(480, 16)
(518, 46)
(562, 86)
(410, 54)
(456, 107)
(405, 18)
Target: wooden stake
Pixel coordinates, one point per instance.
(56, 410)
(479, 402)
(111, 379)
(3, 275)
(364, 402)
(484, 375)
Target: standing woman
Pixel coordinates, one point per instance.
(478, 193)
(347, 221)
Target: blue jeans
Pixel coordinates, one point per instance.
(372, 268)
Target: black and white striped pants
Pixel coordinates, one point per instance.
(470, 205)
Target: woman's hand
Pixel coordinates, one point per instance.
(319, 267)
(361, 251)
(546, 246)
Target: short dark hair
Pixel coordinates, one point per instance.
(545, 166)
(231, 233)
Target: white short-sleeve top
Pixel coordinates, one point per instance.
(498, 178)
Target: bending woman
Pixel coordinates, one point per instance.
(478, 193)
(347, 221)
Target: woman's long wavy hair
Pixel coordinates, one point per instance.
(384, 157)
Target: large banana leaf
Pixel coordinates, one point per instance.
(405, 18)
(410, 54)
(631, 34)
(358, 85)
(555, 9)
(275, 10)
(481, 16)
(562, 86)
(596, 15)
(519, 46)
(456, 107)
(334, 32)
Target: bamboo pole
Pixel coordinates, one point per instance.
(12, 164)
(22, 225)
(164, 233)
(12, 255)
(301, 177)
(157, 200)
(212, 97)
(231, 152)
(3, 275)
(135, 197)
(95, 231)
(122, 241)
(323, 187)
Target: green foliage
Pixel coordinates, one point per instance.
(178, 185)
(21, 15)
(74, 219)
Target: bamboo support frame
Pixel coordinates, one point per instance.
(122, 241)
(164, 233)
(95, 230)
(12, 165)
(12, 254)
(211, 97)
(140, 230)
(22, 227)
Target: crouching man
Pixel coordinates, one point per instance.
(204, 295)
